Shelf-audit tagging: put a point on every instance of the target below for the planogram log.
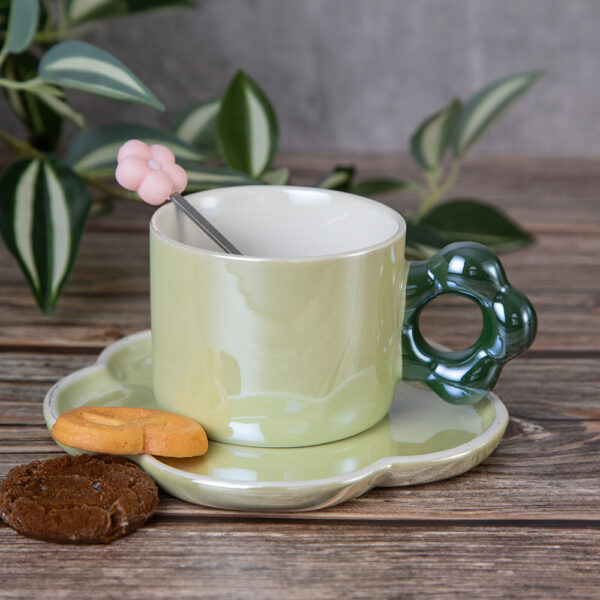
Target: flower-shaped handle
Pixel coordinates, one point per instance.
(509, 322)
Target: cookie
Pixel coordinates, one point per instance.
(129, 430)
(87, 499)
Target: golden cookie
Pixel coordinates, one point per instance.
(126, 430)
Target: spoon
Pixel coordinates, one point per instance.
(151, 171)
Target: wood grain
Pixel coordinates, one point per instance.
(107, 297)
(542, 470)
(545, 468)
(524, 524)
(204, 558)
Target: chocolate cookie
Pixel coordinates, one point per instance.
(87, 499)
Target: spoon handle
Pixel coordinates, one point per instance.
(212, 232)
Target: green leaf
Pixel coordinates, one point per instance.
(247, 129)
(468, 219)
(423, 240)
(377, 186)
(43, 209)
(430, 141)
(79, 11)
(60, 107)
(81, 66)
(277, 176)
(22, 23)
(339, 178)
(487, 105)
(198, 125)
(43, 124)
(207, 178)
(94, 151)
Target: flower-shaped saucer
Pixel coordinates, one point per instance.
(422, 439)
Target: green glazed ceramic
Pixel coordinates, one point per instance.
(421, 439)
(302, 340)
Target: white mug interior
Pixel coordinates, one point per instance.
(283, 222)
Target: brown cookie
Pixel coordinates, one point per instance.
(87, 499)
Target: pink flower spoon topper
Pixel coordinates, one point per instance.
(151, 171)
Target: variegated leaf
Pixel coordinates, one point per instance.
(430, 141)
(247, 130)
(340, 178)
(206, 178)
(94, 151)
(79, 11)
(44, 124)
(81, 66)
(484, 107)
(277, 176)
(60, 107)
(22, 22)
(198, 125)
(43, 209)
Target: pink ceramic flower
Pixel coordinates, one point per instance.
(149, 170)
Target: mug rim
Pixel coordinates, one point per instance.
(400, 232)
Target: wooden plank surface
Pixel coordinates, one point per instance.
(522, 524)
(192, 558)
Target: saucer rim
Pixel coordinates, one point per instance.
(489, 437)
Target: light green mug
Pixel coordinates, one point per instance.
(302, 340)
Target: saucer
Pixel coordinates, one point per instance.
(422, 439)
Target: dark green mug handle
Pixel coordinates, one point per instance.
(509, 322)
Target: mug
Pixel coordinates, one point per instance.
(303, 338)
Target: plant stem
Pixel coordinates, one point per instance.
(451, 178)
(19, 147)
(3, 54)
(436, 192)
(431, 196)
(111, 190)
(62, 16)
(413, 186)
(56, 35)
(48, 5)
(30, 84)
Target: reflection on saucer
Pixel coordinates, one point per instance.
(419, 423)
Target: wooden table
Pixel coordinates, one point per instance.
(524, 524)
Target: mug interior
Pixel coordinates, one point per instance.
(283, 221)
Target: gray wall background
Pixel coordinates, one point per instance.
(358, 75)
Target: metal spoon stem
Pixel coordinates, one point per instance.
(211, 231)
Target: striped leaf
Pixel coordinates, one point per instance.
(44, 125)
(487, 105)
(43, 209)
(94, 151)
(340, 178)
(22, 23)
(277, 176)
(430, 141)
(206, 178)
(81, 66)
(247, 129)
(198, 125)
(79, 11)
